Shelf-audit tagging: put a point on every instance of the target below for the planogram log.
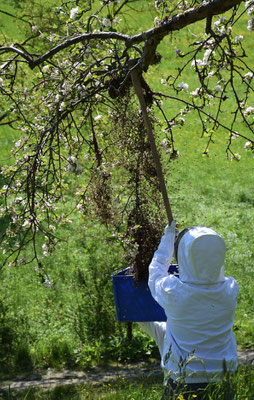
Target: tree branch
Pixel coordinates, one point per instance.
(151, 37)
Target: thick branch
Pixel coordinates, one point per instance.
(180, 21)
(152, 37)
(75, 40)
(17, 51)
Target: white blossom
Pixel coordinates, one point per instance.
(181, 120)
(27, 222)
(238, 39)
(116, 20)
(249, 3)
(74, 12)
(219, 28)
(210, 74)
(72, 159)
(197, 63)
(1, 82)
(195, 92)
(217, 24)
(207, 54)
(45, 250)
(182, 4)
(218, 88)
(157, 4)
(156, 21)
(183, 86)
(248, 111)
(106, 22)
(62, 105)
(235, 157)
(18, 143)
(248, 76)
(250, 26)
(48, 283)
(164, 143)
(70, 168)
(98, 117)
(175, 155)
(248, 145)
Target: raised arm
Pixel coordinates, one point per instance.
(158, 269)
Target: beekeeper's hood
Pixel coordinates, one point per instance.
(201, 256)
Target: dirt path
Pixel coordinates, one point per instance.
(50, 378)
(95, 376)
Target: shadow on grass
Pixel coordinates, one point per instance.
(233, 387)
(141, 388)
(58, 393)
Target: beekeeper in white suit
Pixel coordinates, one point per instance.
(197, 341)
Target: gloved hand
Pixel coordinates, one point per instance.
(166, 246)
(170, 228)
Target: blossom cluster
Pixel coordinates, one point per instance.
(249, 6)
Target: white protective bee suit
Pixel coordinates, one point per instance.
(199, 306)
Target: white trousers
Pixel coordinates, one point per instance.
(157, 331)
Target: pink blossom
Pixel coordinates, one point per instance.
(195, 92)
(249, 110)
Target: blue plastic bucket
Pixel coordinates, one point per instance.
(133, 300)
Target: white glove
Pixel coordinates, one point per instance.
(170, 228)
(166, 246)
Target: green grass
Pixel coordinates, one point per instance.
(10, 27)
(149, 388)
(143, 388)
